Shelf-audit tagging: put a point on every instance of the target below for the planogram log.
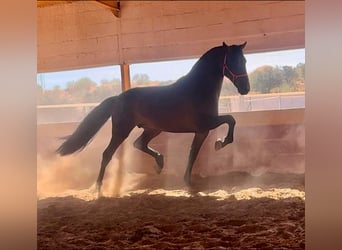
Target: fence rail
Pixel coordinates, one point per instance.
(228, 104)
(258, 102)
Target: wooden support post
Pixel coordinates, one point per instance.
(125, 77)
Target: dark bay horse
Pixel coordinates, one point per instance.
(190, 105)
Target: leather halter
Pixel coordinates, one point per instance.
(225, 67)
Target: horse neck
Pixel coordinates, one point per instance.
(207, 72)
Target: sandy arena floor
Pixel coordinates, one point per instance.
(235, 211)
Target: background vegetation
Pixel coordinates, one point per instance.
(265, 79)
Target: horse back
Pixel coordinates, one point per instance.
(166, 108)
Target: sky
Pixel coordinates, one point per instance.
(163, 71)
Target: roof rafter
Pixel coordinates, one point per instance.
(112, 5)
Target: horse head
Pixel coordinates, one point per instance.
(234, 67)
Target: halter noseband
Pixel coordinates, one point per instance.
(225, 67)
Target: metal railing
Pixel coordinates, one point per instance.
(228, 104)
(278, 101)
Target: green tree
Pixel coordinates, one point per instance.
(105, 90)
(81, 89)
(51, 97)
(141, 78)
(265, 78)
(289, 75)
(300, 71)
(300, 82)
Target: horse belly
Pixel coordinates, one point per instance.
(166, 109)
(169, 120)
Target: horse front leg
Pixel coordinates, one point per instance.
(219, 120)
(195, 147)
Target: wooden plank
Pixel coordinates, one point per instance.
(77, 61)
(41, 3)
(158, 30)
(140, 9)
(55, 28)
(219, 31)
(100, 44)
(113, 6)
(230, 19)
(256, 43)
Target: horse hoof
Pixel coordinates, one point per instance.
(187, 181)
(98, 194)
(218, 145)
(157, 169)
(160, 163)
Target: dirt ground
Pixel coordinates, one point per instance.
(235, 211)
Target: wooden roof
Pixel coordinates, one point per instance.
(80, 34)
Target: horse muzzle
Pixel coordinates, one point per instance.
(243, 91)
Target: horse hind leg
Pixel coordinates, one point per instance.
(142, 144)
(195, 147)
(118, 136)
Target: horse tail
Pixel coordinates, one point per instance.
(87, 129)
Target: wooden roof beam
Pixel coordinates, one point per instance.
(44, 3)
(113, 5)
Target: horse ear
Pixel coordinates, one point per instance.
(242, 46)
(224, 44)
